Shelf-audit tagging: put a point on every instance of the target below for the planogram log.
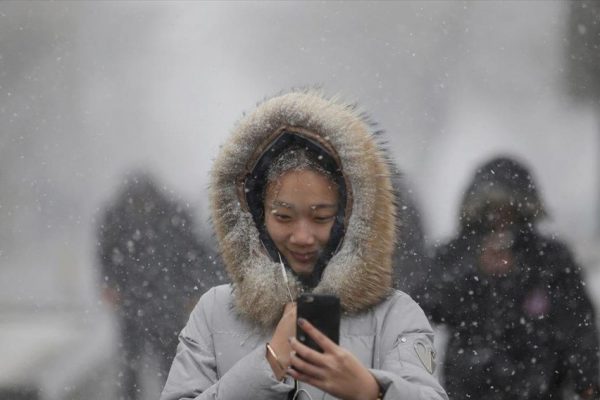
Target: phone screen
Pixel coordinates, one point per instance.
(323, 311)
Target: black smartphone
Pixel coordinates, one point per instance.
(323, 311)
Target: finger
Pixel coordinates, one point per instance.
(301, 377)
(322, 384)
(308, 354)
(322, 340)
(289, 310)
(289, 307)
(306, 368)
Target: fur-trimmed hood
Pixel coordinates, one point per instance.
(359, 273)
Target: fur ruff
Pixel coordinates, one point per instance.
(360, 272)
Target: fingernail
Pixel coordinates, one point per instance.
(301, 321)
(290, 339)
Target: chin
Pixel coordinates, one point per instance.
(303, 271)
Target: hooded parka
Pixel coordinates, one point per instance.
(221, 354)
(527, 333)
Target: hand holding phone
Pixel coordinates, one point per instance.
(341, 374)
(323, 312)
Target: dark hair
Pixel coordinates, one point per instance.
(296, 158)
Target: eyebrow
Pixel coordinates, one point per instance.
(279, 203)
(319, 206)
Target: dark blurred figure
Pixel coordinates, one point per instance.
(520, 322)
(410, 260)
(150, 260)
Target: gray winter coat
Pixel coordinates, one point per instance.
(222, 351)
(221, 356)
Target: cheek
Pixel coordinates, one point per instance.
(324, 233)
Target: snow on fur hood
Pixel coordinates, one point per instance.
(359, 273)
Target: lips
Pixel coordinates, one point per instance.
(303, 257)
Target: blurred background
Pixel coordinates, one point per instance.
(90, 91)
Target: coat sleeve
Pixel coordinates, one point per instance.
(576, 332)
(194, 374)
(406, 354)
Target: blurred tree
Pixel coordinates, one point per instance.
(583, 51)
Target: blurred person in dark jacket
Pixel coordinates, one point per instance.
(411, 261)
(150, 260)
(521, 325)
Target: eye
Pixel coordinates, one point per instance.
(282, 217)
(322, 219)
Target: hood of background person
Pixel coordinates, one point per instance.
(359, 272)
(501, 182)
(141, 195)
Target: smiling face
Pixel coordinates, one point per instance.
(300, 209)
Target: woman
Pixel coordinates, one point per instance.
(302, 185)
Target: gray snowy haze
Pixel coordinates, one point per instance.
(92, 90)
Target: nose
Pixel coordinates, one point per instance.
(303, 234)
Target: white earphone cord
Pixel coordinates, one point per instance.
(301, 391)
(285, 278)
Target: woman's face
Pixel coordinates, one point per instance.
(300, 209)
